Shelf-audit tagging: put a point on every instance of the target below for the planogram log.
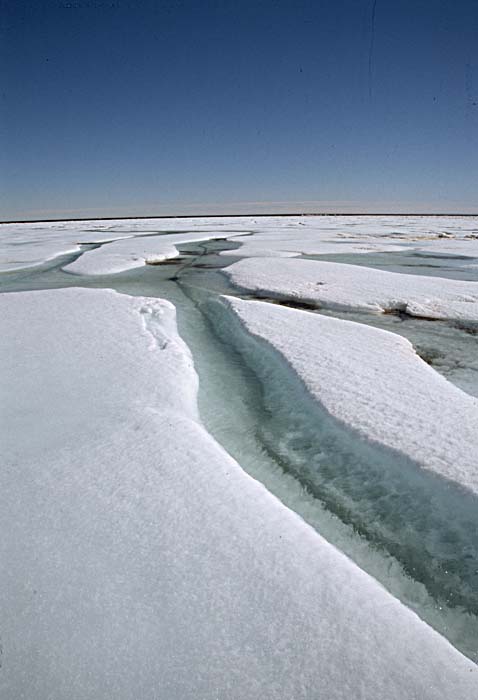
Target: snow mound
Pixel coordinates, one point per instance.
(348, 287)
(374, 382)
(27, 245)
(133, 252)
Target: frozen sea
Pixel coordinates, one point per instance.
(240, 458)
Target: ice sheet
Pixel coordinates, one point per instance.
(140, 560)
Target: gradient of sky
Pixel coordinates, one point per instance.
(178, 107)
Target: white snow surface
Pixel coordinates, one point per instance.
(374, 382)
(321, 235)
(133, 252)
(349, 287)
(30, 244)
(139, 560)
(27, 244)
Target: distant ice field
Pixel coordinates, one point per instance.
(28, 244)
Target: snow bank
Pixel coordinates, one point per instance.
(374, 382)
(133, 252)
(140, 560)
(27, 245)
(348, 287)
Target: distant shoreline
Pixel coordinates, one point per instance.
(229, 216)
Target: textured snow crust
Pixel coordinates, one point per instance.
(140, 560)
(349, 287)
(374, 382)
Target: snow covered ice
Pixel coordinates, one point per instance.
(139, 557)
(125, 254)
(339, 286)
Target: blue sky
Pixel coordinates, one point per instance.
(137, 108)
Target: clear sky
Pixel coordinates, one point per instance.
(136, 108)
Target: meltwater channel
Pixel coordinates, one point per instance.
(414, 532)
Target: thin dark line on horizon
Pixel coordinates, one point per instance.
(235, 216)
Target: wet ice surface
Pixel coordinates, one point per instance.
(410, 262)
(438, 580)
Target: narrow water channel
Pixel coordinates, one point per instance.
(419, 539)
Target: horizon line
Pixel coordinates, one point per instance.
(232, 216)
